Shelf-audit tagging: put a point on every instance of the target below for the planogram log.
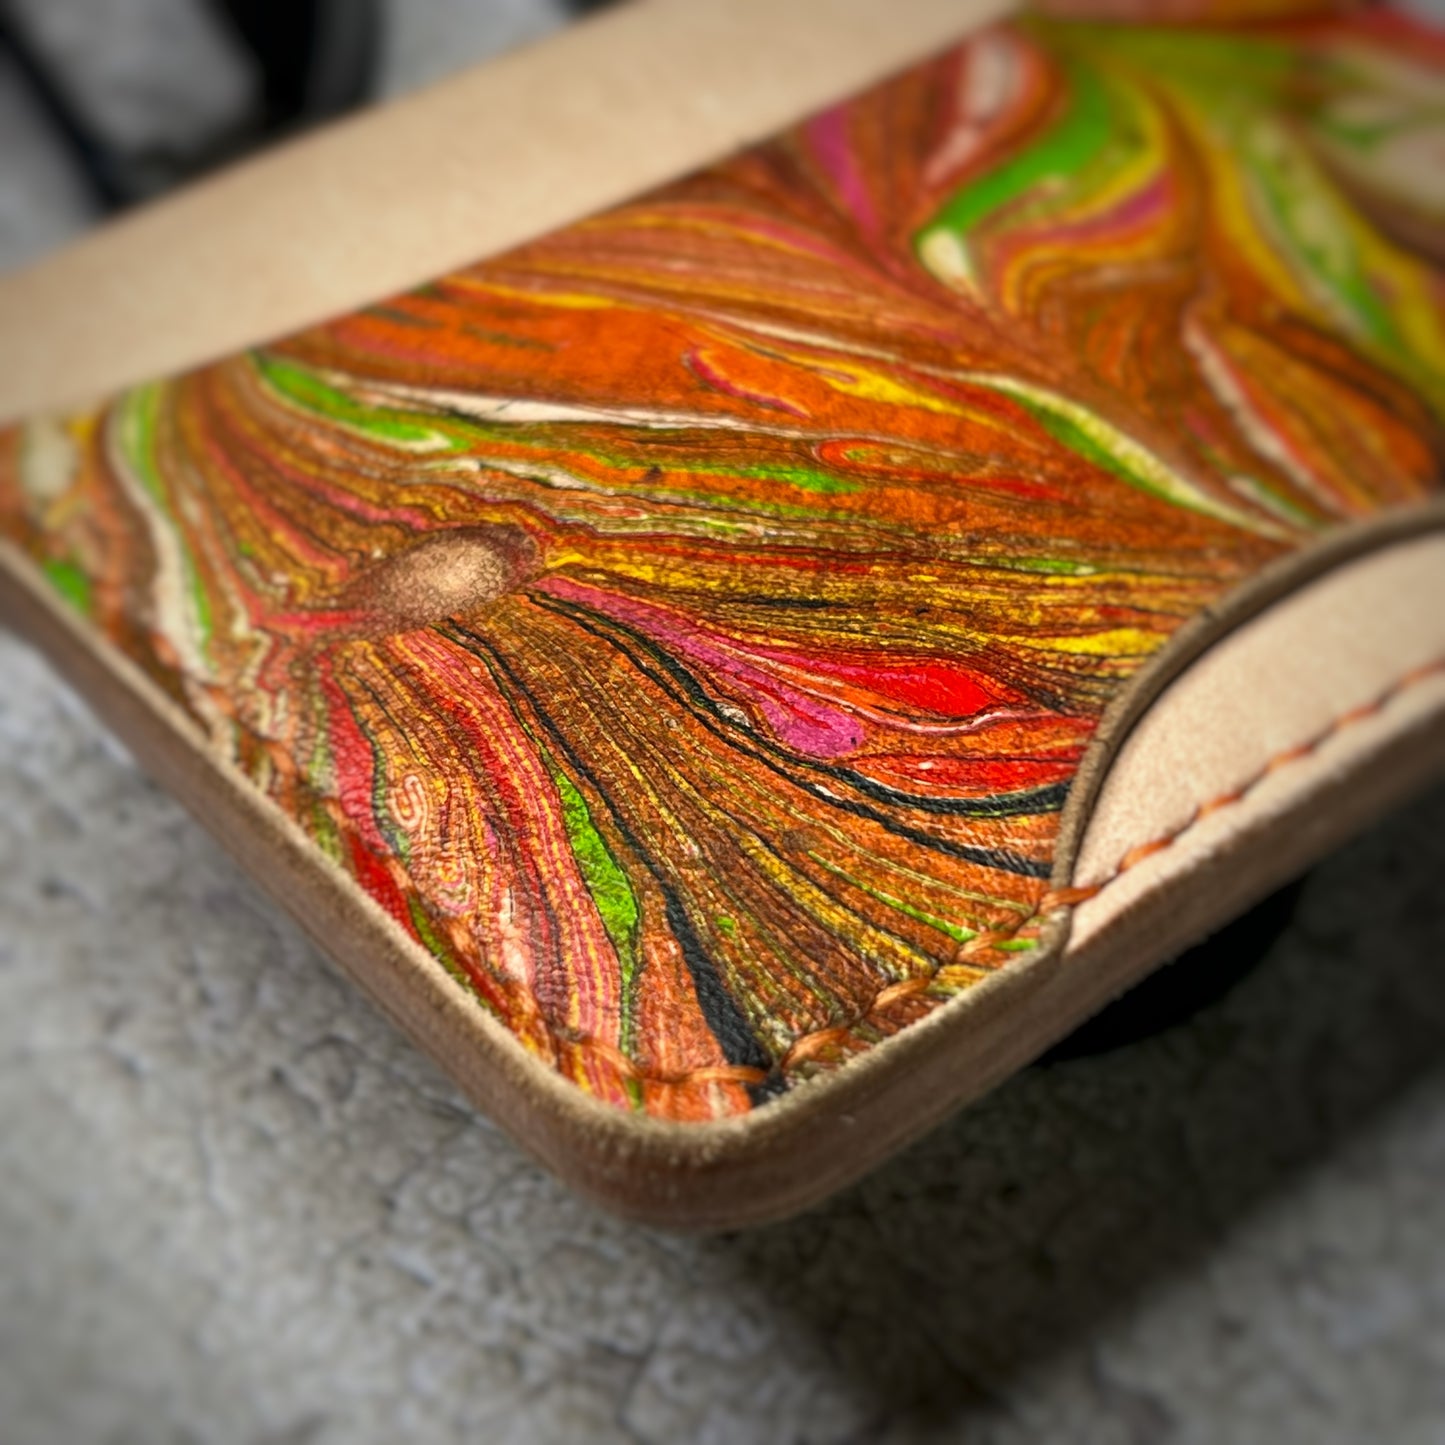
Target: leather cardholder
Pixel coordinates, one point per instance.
(737, 674)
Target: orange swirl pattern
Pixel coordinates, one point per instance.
(687, 626)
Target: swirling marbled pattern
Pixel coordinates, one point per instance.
(687, 626)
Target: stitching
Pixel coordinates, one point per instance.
(1297, 753)
(806, 1046)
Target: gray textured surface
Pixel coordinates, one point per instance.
(108, 51)
(236, 1207)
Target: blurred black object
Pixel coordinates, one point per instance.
(317, 58)
(313, 59)
(1173, 994)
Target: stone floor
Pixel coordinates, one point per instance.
(238, 1208)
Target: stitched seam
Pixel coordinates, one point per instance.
(808, 1044)
(805, 1046)
(1293, 754)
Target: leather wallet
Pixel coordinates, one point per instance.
(737, 674)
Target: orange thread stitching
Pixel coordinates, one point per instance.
(1281, 759)
(1057, 898)
(805, 1046)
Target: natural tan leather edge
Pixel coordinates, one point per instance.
(829, 1131)
(404, 193)
(1238, 720)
